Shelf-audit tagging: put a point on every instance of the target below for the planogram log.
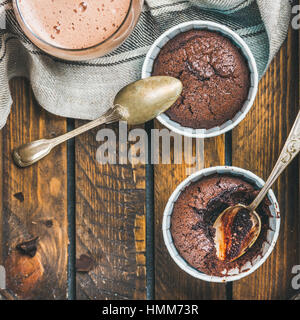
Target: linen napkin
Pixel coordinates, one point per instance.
(85, 90)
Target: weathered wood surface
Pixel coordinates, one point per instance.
(33, 202)
(110, 224)
(170, 281)
(257, 143)
(110, 204)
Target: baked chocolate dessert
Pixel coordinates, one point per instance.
(215, 77)
(195, 212)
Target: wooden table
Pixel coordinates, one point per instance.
(111, 216)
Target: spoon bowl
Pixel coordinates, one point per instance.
(146, 99)
(236, 230)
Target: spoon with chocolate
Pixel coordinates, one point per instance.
(238, 227)
(136, 103)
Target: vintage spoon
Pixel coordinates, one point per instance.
(238, 227)
(137, 103)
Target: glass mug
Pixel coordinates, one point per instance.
(90, 52)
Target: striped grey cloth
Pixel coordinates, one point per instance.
(86, 89)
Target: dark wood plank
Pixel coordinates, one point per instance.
(34, 202)
(110, 224)
(170, 281)
(257, 143)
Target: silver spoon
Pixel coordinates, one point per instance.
(137, 103)
(233, 240)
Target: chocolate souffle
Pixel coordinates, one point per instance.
(195, 212)
(215, 77)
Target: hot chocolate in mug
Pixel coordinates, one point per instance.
(75, 29)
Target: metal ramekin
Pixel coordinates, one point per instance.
(239, 42)
(250, 266)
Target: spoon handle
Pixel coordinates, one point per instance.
(29, 153)
(288, 153)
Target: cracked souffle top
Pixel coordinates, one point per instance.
(195, 212)
(215, 77)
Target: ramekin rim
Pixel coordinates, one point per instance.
(213, 132)
(166, 228)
